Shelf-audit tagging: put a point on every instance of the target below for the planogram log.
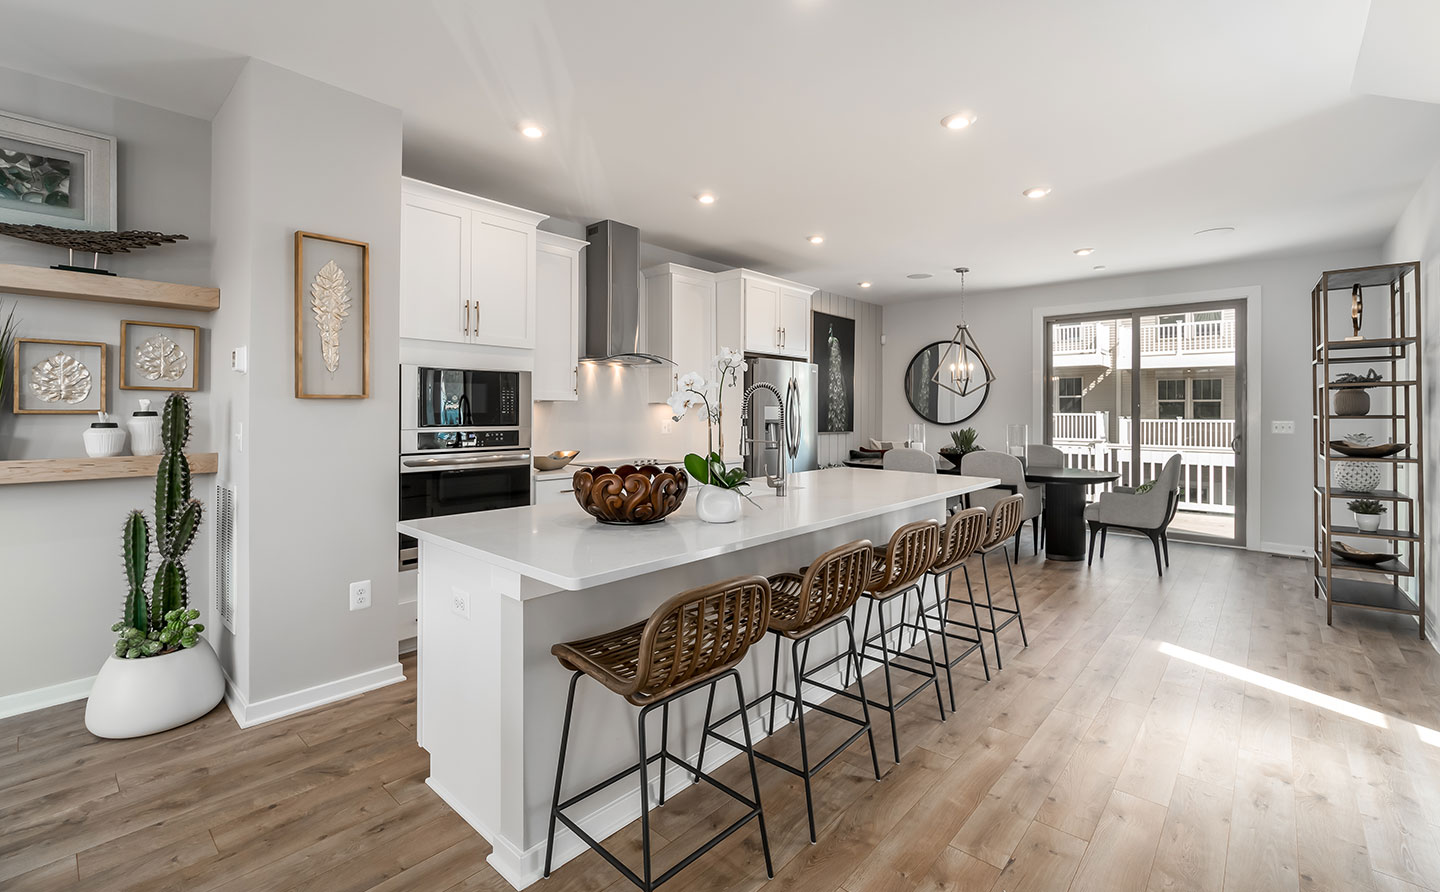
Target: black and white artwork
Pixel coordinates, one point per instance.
(833, 345)
(55, 175)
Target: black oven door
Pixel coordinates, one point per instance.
(437, 491)
(468, 398)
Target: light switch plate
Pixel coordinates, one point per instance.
(1282, 427)
(240, 360)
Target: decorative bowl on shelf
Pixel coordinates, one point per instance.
(555, 460)
(1340, 549)
(1378, 450)
(629, 495)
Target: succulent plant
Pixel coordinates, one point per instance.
(158, 622)
(964, 441)
(1369, 377)
(1366, 506)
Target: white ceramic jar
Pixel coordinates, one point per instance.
(103, 438)
(145, 431)
(716, 504)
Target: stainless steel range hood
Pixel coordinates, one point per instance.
(612, 297)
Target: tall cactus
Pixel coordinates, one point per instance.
(177, 520)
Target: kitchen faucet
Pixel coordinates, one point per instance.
(777, 482)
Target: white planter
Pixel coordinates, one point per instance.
(103, 442)
(132, 698)
(717, 505)
(1368, 522)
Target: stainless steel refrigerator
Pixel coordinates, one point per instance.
(765, 415)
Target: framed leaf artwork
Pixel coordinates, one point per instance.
(55, 175)
(159, 356)
(332, 318)
(59, 377)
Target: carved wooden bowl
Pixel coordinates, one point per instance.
(630, 495)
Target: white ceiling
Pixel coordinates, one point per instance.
(1151, 119)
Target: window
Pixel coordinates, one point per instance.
(1170, 396)
(1206, 395)
(1068, 395)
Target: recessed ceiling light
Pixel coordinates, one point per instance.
(1098, 267)
(918, 276)
(1083, 252)
(958, 121)
(864, 284)
(1036, 192)
(532, 131)
(816, 239)
(1217, 230)
(706, 198)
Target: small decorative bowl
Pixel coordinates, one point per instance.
(1380, 450)
(630, 495)
(555, 460)
(1361, 557)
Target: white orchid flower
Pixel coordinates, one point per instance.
(692, 381)
(679, 402)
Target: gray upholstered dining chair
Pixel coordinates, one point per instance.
(1038, 455)
(1148, 512)
(1011, 472)
(906, 459)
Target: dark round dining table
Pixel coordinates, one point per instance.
(1064, 503)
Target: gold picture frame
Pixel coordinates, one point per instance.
(324, 303)
(126, 360)
(24, 361)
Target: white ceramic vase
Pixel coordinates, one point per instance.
(1357, 476)
(1368, 522)
(103, 439)
(132, 698)
(145, 431)
(716, 504)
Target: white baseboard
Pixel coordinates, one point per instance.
(1283, 548)
(249, 714)
(40, 698)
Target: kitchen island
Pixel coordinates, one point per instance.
(497, 589)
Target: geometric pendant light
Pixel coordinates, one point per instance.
(963, 369)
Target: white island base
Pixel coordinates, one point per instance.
(497, 589)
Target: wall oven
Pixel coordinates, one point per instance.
(464, 444)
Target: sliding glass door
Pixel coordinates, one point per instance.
(1125, 391)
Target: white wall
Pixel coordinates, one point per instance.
(59, 542)
(318, 495)
(1002, 322)
(1417, 237)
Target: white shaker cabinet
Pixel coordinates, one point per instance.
(467, 268)
(681, 307)
(775, 313)
(557, 301)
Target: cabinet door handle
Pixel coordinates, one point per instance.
(467, 318)
(477, 318)
(575, 379)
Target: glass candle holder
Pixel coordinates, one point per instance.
(1017, 440)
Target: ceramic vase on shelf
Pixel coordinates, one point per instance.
(1352, 402)
(1357, 476)
(103, 438)
(715, 504)
(145, 431)
(1368, 523)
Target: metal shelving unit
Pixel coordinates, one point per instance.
(1391, 292)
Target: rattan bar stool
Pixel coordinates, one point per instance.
(897, 573)
(694, 640)
(803, 606)
(963, 534)
(1005, 520)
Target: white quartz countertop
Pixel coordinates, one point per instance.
(561, 545)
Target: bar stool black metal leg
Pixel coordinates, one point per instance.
(705, 730)
(974, 618)
(559, 771)
(889, 688)
(644, 802)
(930, 650)
(990, 603)
(864, 703)
(804, 745)
(942, 613)
(1015, 593)
(774, 682)
(664, 743)
(754, 780)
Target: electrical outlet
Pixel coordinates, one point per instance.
(1282, 427)
(665, 426)
(460, 603)
(360, 594)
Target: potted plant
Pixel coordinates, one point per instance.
(1354, 401)
(162, 674)
(964, 444)
(1367, 513)
(718, 500)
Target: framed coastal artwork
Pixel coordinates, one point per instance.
(159, 356)
(59, 377)
(833, 346)
(332, 318)
(55, 175)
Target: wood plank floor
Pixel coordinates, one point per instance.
(1204, 732)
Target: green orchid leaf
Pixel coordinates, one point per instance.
(698, 468)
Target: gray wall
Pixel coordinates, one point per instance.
(318, 497)
(1003, 324)
(835, 448)
(59, 542)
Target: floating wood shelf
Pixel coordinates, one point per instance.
(57, 470)
(42, 282)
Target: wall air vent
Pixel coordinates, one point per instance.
(225, 555)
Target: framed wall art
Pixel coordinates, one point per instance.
(332, 318)
(59, 377)
(56, 175)
(833, 346)
(159, 356)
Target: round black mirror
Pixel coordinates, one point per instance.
(935, 403)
